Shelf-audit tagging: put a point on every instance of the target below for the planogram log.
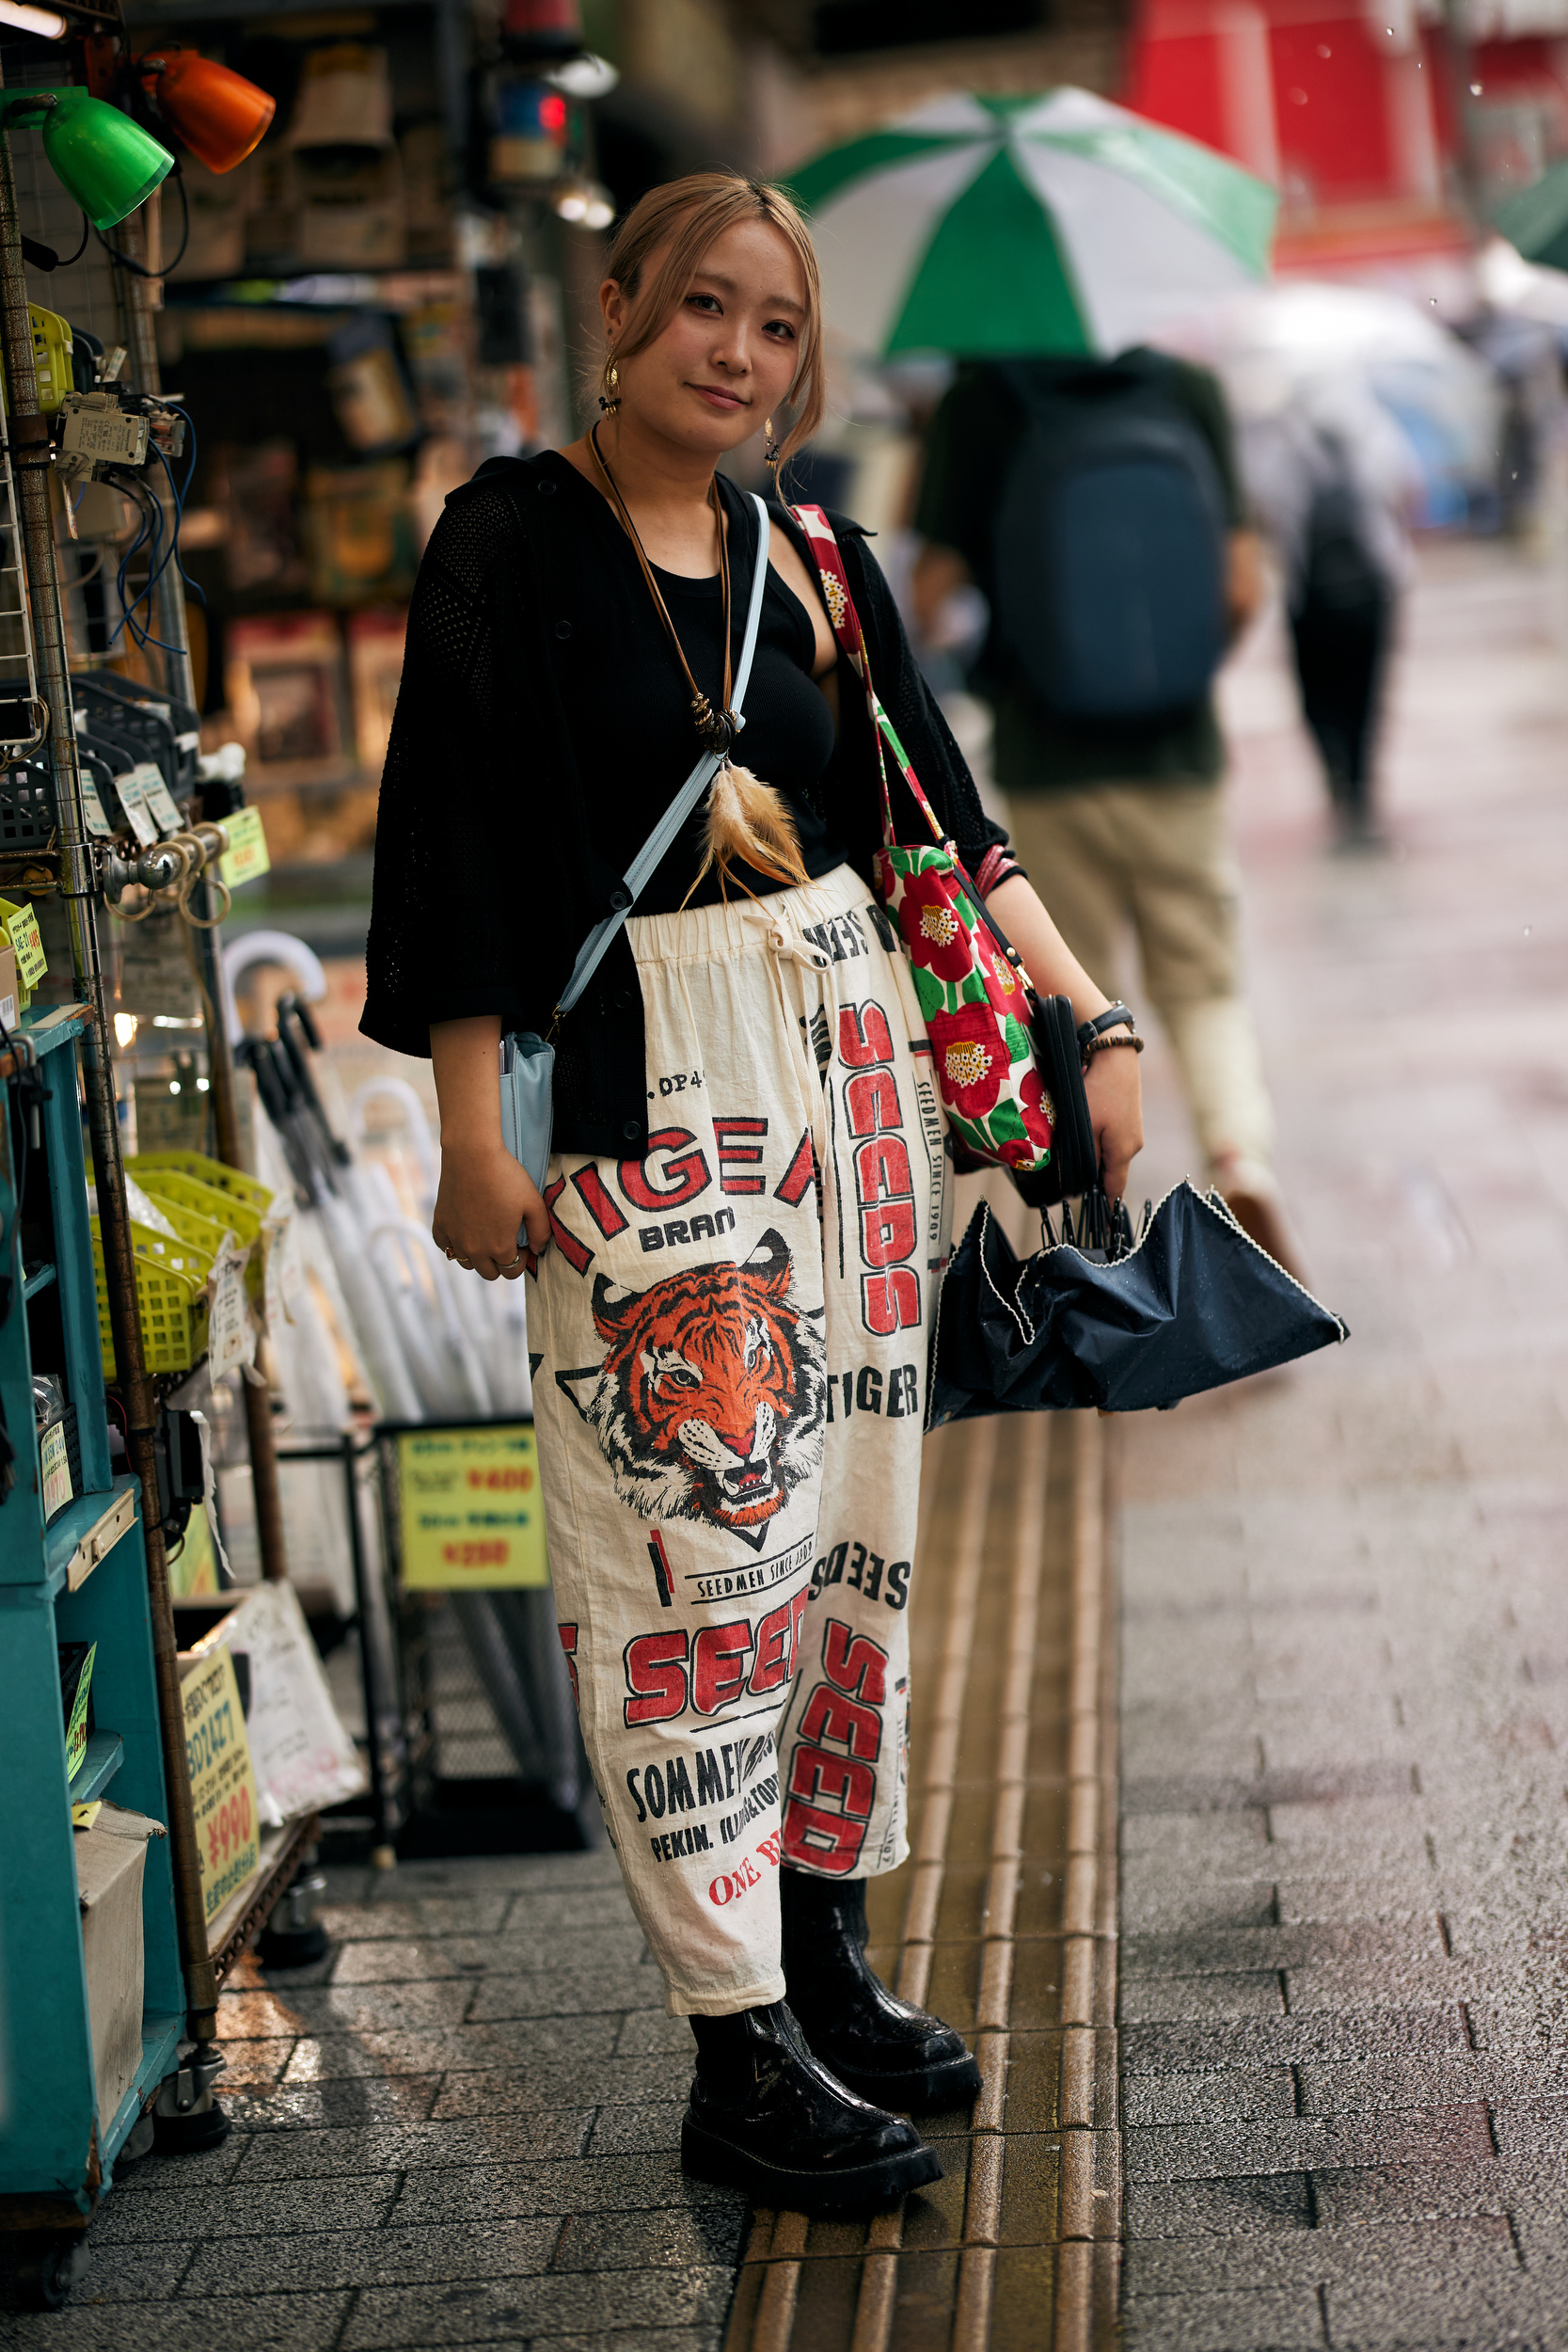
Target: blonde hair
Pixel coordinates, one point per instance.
(746, 821)
(699, 209)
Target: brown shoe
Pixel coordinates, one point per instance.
(1253, 1198)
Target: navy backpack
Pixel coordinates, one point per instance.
(1110, 546)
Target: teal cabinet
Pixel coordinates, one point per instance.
(76, 1575)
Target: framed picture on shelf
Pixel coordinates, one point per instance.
(285, 685)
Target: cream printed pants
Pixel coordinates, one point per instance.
(731, 1337)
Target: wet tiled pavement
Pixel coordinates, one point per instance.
(1345, 1698)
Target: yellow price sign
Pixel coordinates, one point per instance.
(223, 1785)
(470, 1511)
(245, 858)
(21, 926)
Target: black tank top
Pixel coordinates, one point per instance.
(629, 706)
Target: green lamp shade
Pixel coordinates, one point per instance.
(107, 164)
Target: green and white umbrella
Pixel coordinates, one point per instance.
(1059, 223)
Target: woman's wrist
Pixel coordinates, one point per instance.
(464, 1140)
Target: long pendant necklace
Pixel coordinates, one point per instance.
(716, 729)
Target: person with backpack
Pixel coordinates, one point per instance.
(1098, 506)
(1332, 477)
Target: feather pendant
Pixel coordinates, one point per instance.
(748, 823)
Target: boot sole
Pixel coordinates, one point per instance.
(926, 2090)
(867, 2187)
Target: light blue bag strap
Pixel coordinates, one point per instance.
(650, 855)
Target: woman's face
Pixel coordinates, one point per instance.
(730, 352)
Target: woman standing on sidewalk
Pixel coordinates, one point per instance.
(738, 1245)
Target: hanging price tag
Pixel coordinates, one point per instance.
(247, 856)
(133, 800)
(160, 800)
(228, 1322)
(223, 1785)
(21, 925)
(92, 809)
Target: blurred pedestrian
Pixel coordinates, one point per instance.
(1331, 478)
(1099, 508)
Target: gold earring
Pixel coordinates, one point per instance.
(770, 452)
(610, 399)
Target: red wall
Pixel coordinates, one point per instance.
(1331, 90)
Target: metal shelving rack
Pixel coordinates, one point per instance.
(95, 1570)
(80, 1575)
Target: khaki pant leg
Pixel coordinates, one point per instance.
(1069, 846)
(1186, 910)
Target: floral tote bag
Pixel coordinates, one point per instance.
(973, 989)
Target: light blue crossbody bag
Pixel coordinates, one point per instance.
(527, 1059)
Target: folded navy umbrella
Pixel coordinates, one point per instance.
(1193, 1303)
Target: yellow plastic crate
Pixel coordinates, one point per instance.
(166, 1177)
(172, 1295)
(240, 1187)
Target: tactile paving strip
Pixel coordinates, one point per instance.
(1003, 1921)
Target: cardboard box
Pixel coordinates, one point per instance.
(111, 1859)
(347, 208)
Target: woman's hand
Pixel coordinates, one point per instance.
(488, 1212)
(485, 1202)
(1115, 1107)
(1115, 1096)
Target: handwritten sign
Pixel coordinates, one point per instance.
(471, 1514)
(246, 857)
(223, 1787)
(21, 926)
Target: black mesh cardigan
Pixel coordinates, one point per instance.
(487, 874)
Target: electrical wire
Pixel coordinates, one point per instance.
(179, 497)
(69, 257)
(139, 269)
(150, 534)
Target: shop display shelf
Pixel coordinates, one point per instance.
(84, 1534)
(106, 1754)
(160, 2046)
(231, 1930)
(81, 1578)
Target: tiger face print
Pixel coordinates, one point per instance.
(711, 1400)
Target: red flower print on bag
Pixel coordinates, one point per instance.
(1039, 1111)
(971, 1057)
(933, 932)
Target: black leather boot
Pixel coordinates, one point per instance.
(888, 2052)
(766, 2117)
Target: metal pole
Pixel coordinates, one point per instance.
(31, 466)
(141, 299)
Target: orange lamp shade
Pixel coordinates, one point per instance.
(219, 115)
